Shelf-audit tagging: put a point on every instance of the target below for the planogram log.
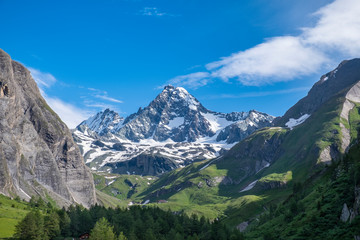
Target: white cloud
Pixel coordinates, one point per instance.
(153, 11)
(335, 35)
(338, 28)
(192, 80)
(278, 59)
(41, 78)
(68, 113)
(260, 93)
(105, 97)
(97, 105)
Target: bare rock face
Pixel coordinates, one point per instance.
(345, 213)
(37, 153)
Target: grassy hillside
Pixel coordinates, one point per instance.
(201, 190)
(125, 188)
(11, 212)
(109, 201)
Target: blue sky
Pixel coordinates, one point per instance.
(231, 55)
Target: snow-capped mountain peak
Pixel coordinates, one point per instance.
(175, 125)
(176, 98)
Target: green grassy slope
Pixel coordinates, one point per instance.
(125, 188)
(11, 212)
(194, 190)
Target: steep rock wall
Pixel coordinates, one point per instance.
(37, 153)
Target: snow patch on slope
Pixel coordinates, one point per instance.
(295, 122)
(216, 122)
(250, 186)
(24, 193)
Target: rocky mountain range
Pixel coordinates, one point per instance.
(38, 156)
(172, 131)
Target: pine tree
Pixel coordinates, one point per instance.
(31, 227)
(102, 230)
(122, 236)
(51, 225)
(65, 222)
(149, 234)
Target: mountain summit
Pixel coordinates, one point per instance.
(174, 116)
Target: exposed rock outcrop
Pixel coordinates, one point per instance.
(345, 213)
(37, 153)
(143, 164)
(242, 226)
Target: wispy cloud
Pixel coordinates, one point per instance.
(69, 114)
(259, 94)
(95, 105)
(192, 80)
(154, 11)
(41, 78)
(278, 59)
(336, 32)
(104, 97)
(101, 94)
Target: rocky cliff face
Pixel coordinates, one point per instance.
(37, 153)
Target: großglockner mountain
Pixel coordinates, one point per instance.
(173, 130)
(38, 156)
